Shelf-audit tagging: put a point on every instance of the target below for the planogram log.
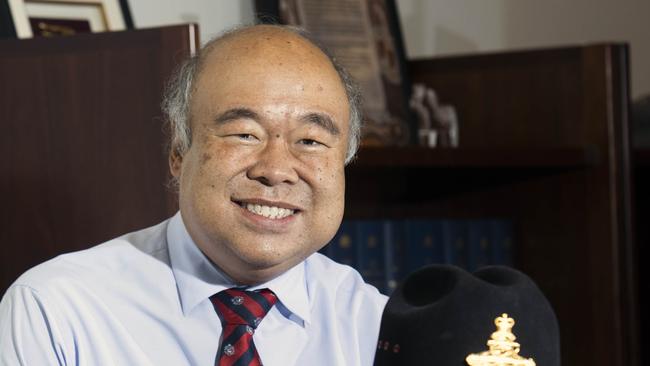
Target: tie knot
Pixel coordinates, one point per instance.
(242, 307)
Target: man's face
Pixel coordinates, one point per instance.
(262, 185)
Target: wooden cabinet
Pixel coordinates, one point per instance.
(82, 149)
(544, 142)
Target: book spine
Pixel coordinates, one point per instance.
(424, 244)
(479, 244)
(455, 242)
(370, 253)
(394, 253)
(342, 248)
(502, 237)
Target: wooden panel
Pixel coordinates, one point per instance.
(82, 149)
(641, 200)
(610, 250)
(523, 99)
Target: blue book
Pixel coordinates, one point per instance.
(342, 248)
(370, 252)
(394, 253)
(502, 237)
(423, 243)
(479, 248)
(454, 234)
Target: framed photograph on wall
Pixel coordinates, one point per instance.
(365, 37)
(48, 18)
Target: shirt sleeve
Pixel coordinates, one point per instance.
(28, 334)
(369, 321)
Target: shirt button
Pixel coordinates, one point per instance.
(229, 350)
(250, 330)
(237, 300)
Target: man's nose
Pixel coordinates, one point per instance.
(275, 165)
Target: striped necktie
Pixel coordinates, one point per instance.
(240, 312)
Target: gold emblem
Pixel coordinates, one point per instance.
(504, 351)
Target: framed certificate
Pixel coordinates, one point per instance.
(365, 37)
(48, 18)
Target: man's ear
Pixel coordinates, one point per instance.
(175, 162)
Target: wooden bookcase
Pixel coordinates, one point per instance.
(543, 141)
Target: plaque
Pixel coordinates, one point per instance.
(49, 18)
(364, 37)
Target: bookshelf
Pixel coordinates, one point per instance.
(543, 141)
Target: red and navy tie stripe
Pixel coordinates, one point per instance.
(240, 312)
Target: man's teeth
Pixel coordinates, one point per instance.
(270, 212)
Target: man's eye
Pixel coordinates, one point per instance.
(309, 142)
(245, 136)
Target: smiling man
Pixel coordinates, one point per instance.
(263, 123)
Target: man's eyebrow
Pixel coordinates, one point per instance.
(235, 114)
(322, 120)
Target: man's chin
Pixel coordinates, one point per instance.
(262, 269)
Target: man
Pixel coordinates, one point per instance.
(263, 123)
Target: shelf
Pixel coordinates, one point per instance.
(408, 176)
(420, 157)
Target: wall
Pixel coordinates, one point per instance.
(213, 16)
(444, 27)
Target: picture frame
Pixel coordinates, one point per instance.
(47, 18)
(365, 37)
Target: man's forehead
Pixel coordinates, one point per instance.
(263, 69)
(265, 55)
(263, 41)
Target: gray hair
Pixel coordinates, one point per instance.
(180, 87)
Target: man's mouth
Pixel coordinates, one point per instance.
(269, 212)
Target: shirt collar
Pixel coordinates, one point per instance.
(197, 278)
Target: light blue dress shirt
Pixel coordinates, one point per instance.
(142, 299)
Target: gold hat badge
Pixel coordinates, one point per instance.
(504, 351)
